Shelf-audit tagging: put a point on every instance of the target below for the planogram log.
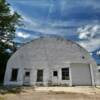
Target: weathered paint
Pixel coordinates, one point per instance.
(49, 54)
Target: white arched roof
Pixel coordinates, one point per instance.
(51, 51)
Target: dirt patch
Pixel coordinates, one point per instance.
(51, 96)
(54, 93)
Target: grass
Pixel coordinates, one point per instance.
(14, 90)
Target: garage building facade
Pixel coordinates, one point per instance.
(51, 61)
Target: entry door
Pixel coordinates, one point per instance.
(39, 77)
(26, 80)
(55, 77)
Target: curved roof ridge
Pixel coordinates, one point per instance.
(56, 37)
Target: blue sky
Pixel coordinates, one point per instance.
(77, 20)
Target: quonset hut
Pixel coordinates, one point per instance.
(51, 61)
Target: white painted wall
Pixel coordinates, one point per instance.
(48, 54)
(98, 76)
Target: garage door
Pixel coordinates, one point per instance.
(81, 74)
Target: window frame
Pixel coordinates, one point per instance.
(14, 74)
(65, 73)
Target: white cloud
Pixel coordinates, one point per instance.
(48, 27)
(91, 34)
(30, 22)
(91, 44)
(8, 50)
(98, 53)
(12, 10)
(23, 35)
(88, 31)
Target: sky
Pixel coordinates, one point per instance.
(77, 20)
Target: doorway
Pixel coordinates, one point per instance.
(40, 75)
(26, 80)
(55, 77)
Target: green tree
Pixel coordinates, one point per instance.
(9, 22)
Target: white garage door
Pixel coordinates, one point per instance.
(81, 74)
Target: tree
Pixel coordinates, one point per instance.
(9, 21)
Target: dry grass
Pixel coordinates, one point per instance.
(2, 98)
(6, 90)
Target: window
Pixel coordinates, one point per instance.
(27, 73)
(14, 74)
(98, 70)
(39, 75)
(83, 57)
(65, 73)
(55, 73)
